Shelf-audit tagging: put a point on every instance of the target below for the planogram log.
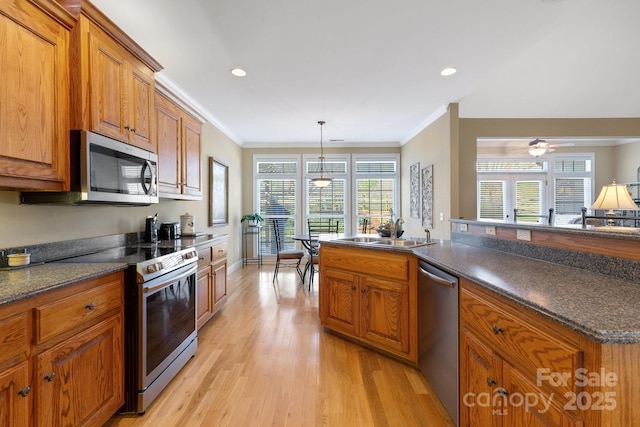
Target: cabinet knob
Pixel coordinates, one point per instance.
(50, 377)
(133, 130)
(90, 306)
(353, 288)
(364, 291)
(491, 382)
(201, 258)
(497, 329)
(25, 391)
(127, 128)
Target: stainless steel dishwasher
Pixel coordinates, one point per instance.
(438, 334)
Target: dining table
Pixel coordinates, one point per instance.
(310, 245)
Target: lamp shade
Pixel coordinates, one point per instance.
(614, 197)
(321, 182)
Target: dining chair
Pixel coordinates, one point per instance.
(285, 255)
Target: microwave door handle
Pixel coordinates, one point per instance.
(147, 165)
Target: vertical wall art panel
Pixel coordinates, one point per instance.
(414, 196)
(427, 196)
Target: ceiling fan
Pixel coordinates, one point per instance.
(539, 147)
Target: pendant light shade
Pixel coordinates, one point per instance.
(321, 181)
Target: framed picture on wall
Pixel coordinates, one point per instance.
(414, 195)
(218, 193)
(427, 196)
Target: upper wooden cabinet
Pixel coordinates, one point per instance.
(34, 95)
(112, 80)
(179, 148)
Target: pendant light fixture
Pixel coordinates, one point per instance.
(322, 181)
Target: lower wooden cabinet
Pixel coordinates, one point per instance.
(515, 368)
(366, 295)
(15, 395)
(212, 279)
(73, 373)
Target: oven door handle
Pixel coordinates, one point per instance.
(169, 279)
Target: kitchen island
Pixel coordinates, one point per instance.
(589, 322)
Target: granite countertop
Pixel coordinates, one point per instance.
(27, 282)
(603, 309)
(30, 281)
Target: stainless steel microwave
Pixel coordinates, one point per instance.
(105, 171)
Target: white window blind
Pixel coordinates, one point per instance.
(492, 200)
(529, 200)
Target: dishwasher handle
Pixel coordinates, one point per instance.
(438, 280)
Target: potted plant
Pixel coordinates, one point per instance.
(253, 219)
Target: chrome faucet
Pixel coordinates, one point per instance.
(426, 230)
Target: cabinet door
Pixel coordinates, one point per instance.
(529, 406)
(80, 381)
(205, 297)
(219, 285)
(385, 313)
(168, 140)
(340, 305)
(480, 382)
(191, 154)
(34, 99)
(108, 80)
(140, 96)
(15, 396)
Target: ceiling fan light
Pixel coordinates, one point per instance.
(537, 151)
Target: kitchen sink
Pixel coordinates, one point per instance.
(382, 241)
(400, 243)
(361, 239)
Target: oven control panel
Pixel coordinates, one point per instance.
(164, 264)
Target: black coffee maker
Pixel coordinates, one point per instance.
(151, 229)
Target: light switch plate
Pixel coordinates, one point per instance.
(441, 216)
(523, 235)
(463, 227)
(490, 230)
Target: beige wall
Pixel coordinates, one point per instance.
(24, 225)
(472, 129)
(436, 145)
(627, 162)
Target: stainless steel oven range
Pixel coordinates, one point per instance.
(160, 317)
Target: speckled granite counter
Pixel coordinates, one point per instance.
(603, 309)
(27, 282)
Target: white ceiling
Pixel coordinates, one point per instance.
(370, 68)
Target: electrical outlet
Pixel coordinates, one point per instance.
(441, 216)
(463, 227)
(523, 235)
(490, 230)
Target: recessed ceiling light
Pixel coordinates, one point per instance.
(448, 71)
(238, 72)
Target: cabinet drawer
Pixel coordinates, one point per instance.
(367, 261)
(76, 311)
(219, 251)
(205, 257)
(515, 338)
(13, 337)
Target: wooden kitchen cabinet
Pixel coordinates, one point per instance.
(112, 80)
(61, 358)
(179, 148)
(505, 357)
(370, 296)
(212, 279)
(34, 94)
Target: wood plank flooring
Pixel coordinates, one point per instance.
(264, 360)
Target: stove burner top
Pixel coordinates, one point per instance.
(149, 259)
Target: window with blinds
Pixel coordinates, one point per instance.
(529, 201)
(492, 199)
(572, 188)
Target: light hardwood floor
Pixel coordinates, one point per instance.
(264, 360)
